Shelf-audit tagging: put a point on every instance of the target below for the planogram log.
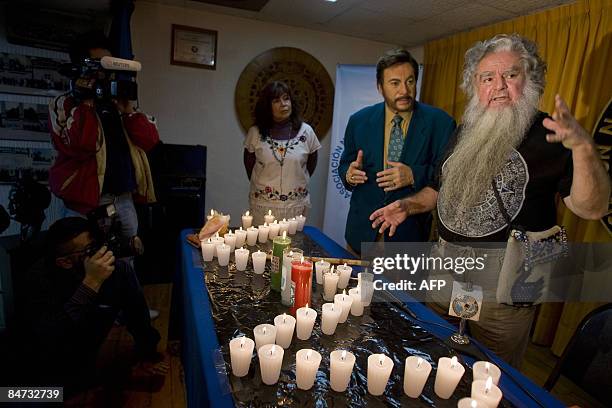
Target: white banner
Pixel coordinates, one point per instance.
(355, 89)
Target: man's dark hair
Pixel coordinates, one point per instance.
(263, 107)
(63, 231)
(393, 57)
(79, 49)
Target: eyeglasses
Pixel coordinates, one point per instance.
(89, 250)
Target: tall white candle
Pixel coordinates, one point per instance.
(274, 228)
(301, 221)
(223, 253)
(321, 267)
(208, 250)
(283, 226)
(269, 218)
(343, 301)
(285, 324)
(379, 370)
(448, 374)
(341, 364)
(329, 318)
(357, 305)
(217, 240)
(487, 392)
(242, 258)
(241, 352)
(416, 372)
(330, 283)
(483, 370)
(240, 237)
(263, 233)
(264, 334)
(292, 226)
(230, 240)
(270, 361)
(471, 403)
(259, 262)
(306, 318)
(306, 366)
(344, 272)
(252, 234)
(247, 220)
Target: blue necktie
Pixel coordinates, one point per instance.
(396, 141)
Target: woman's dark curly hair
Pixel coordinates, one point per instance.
(263, 107)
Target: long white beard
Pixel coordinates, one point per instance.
(484, 145)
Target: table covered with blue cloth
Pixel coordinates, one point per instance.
(218, 303)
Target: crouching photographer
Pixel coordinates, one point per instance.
(100, 137)
(74, 296)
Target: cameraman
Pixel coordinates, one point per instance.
(74, 295)
(101, 144)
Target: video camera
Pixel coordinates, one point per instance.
(106, 230)
(103, 79)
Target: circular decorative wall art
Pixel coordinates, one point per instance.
(305, 75)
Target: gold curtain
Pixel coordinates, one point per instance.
(576, 42)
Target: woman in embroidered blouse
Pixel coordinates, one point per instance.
(280, 155)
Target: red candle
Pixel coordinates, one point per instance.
(301, 284)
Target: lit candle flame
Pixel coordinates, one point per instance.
(265, 224)
(284, 234)
(273, 349)
(487, 366)
(275, 222)
(473, 404)
(302, 259)
(454, 362)
(217, 234)
(284, 220)
(419, 362)
(306, 307)
(209, 241)
(345, 264)
(284, 317)
(332, 269)
(212, 212)
(343, 356)
(308, 354)
(240, 228)
(246, 214)
(290, 254)
(269, 212)
(488, 384)
(381, 359)
(230, 231)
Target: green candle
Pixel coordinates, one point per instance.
(278, 246)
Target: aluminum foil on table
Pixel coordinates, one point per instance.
(242, 300)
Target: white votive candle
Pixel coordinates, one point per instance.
(208, 250)
(341, 364)
(487, 392)
(344, 272)
(230, 240)
(270, 361)
(226, 219)
(301, 220)
(285, 324)
(357, 305)
(259, 262)
(247, 220)
(321, 268)
(483, 370)
(274, 228)
(306, 366)
(217, 240)
(329, 318)
(416, 372)
(212, 214)
(366, 287)
(283, 226)
(223, 254)
(252, 234)
(292, 226)
(306, 318)
(379, 370)
(269, 218)
(330, 283)
(343, 301)
(241, 352)
(242, 258)
(263, 233)
(240, 237)
(471, 403)
(448, 374)
(264, 334)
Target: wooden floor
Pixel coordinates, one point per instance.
(119, 389)
(118, 386)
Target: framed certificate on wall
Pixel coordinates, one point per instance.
(194, 47)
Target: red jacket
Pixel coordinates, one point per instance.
(77, 175)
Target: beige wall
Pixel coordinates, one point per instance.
(196, 106)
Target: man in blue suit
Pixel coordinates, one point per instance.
(391, 150)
